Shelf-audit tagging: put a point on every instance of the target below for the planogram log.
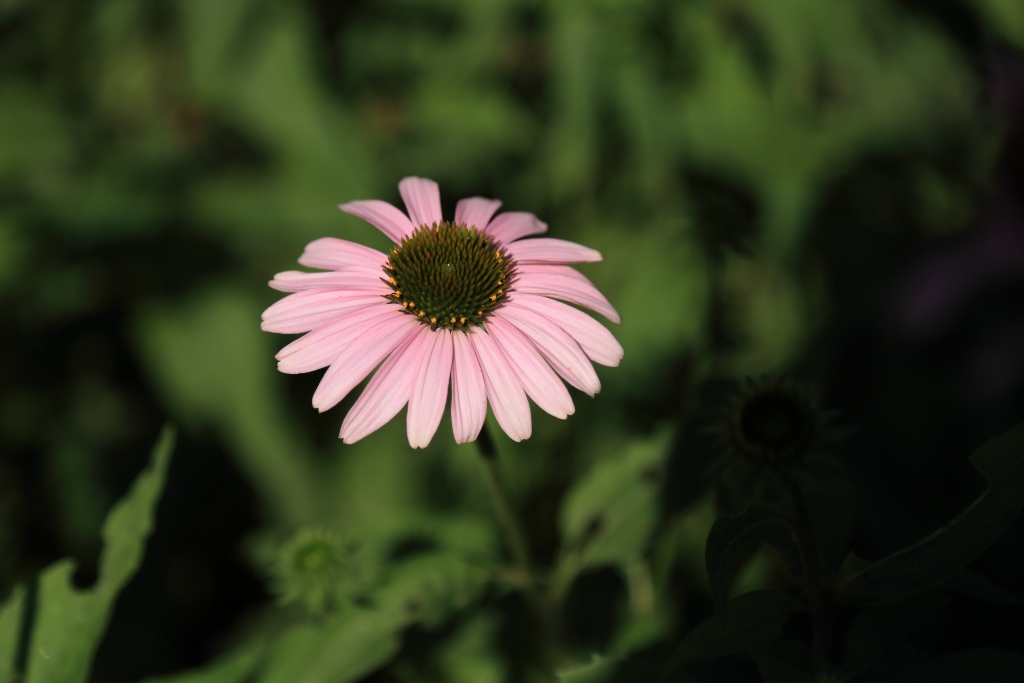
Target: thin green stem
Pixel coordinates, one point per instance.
(516, 540)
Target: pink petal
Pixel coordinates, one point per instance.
(319, 348)
(360, 357)
(562, 282)
(316, 307)
(429, 393)
(296, 280)
(594, 338)
(381, 215)
(509, 226)
(331, 253)
(422, 200)
(469, 394)
(539, 381)
(555, 344)
(389, 389)
(508, 400)
(475, 211)
(550, 250)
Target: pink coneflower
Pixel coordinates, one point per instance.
(468, 300)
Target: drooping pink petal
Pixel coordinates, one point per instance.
(381, 215)
(551, 250)
(331, 253)
(422, 200)
(389, 390)
(563, 282)
(360, 357)
(594, 338)
(475, 211)
(314, 307)
(555, 344)
(509, 226)
(539, 381)
(297, 281)
(469, 394)
(505, 393)
(430, 391)
(319, 348)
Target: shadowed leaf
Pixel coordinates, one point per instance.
(941, 555)
(755, 620)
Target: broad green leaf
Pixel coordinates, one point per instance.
(69, 623)
(730, 536)
(11, 617)
(598, 670)
(345, 649)
(430, 588)
(608, 516)
(755, 620)
(425, 589)
(471, 655)
(967, 666)
(941, 555)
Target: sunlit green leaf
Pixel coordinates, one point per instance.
(608, 515)
(69, 623)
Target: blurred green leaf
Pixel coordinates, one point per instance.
(941, 555)
(69, 623)
(430, 588)
(598, 670)
(730, 536)
(471, 655)
(214, 366)
(755, 620)
(607, 517)
(344, 649)
(11, 617)
(1005, 17)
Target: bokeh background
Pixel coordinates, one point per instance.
(826, 189)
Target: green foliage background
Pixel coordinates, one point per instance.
(742, 165)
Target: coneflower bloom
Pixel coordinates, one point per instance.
(468, 300)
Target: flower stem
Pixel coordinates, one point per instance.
(516, 541)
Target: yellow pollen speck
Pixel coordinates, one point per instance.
(433, 321)
(405, 304)
(462, 321)
(494, 297)
(422, 314)
(392, 280)
(398, 292)
(479, 312)
(568, 369)
(453, 318)
(412, 304)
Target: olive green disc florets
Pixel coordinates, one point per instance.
(451, 276)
